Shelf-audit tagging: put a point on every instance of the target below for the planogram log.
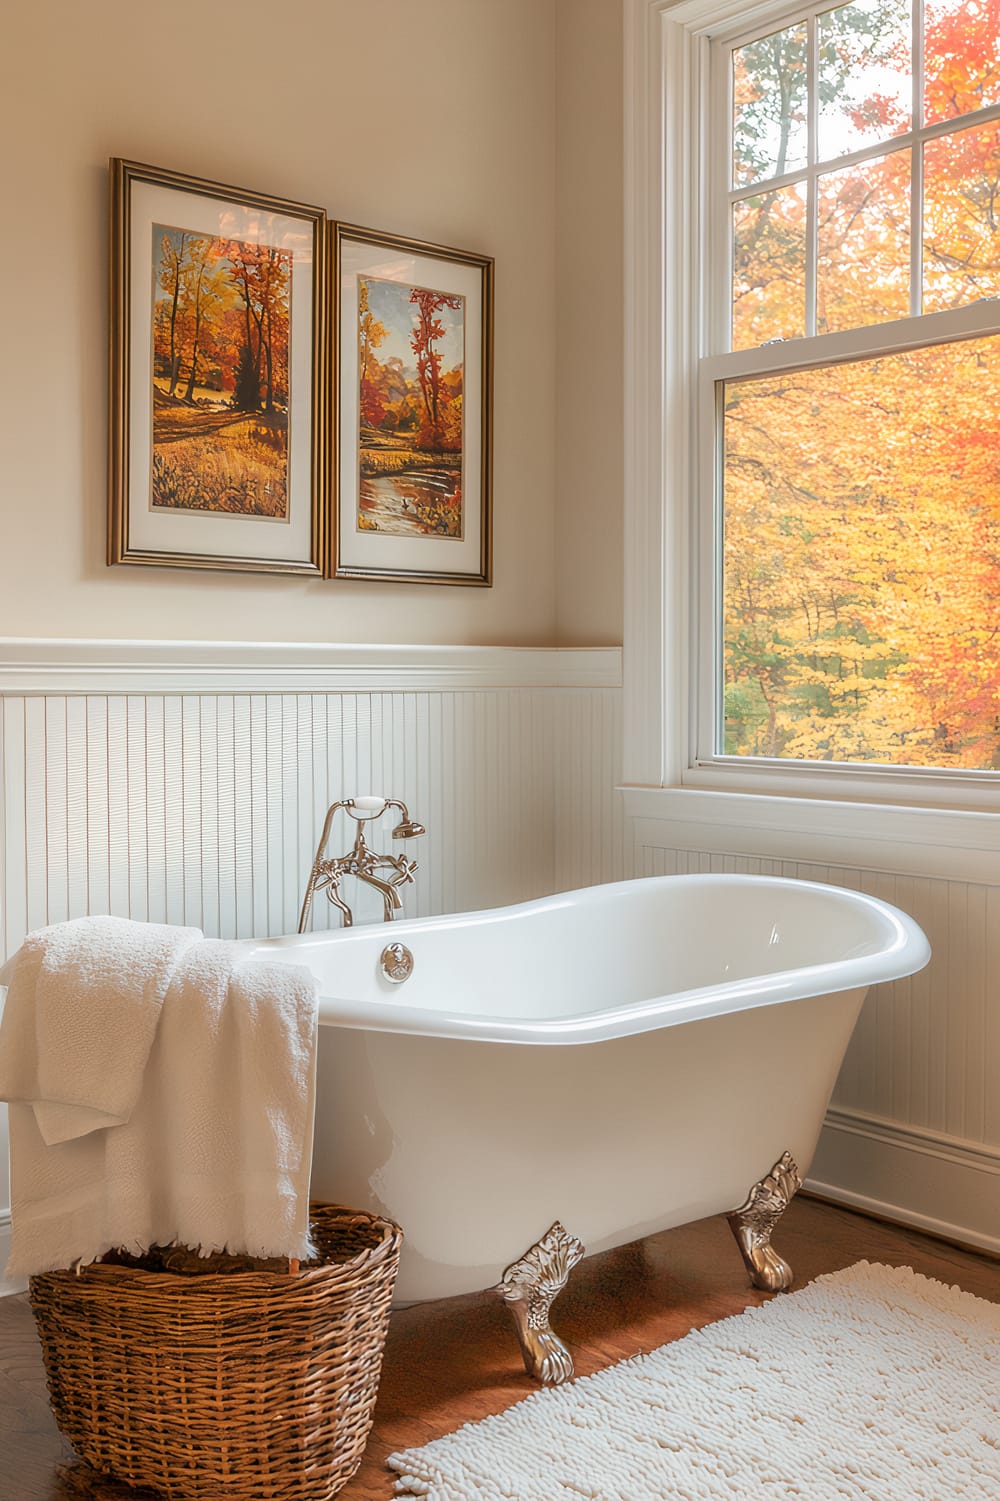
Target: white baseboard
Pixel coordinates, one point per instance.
(939, 1184)
(6, 1288)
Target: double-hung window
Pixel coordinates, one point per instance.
(853, 387)
(845, 390)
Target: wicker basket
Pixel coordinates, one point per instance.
(257, 1385)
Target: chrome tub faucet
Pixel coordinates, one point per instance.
(385, 873)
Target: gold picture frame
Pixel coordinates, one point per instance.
(218, 376)
(413, 409)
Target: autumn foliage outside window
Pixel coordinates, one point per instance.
(860, 550)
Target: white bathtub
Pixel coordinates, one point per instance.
(621, 1059)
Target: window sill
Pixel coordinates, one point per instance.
(952, 843)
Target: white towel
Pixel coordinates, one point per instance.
(217, 1152)
(80, 1016)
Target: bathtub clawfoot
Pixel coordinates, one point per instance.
(529, 1288)
(754, 1222)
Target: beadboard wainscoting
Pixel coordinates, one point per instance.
(913, 1132)
(187, 783)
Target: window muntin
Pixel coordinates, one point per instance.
(831, 645)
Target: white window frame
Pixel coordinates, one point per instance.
(909, 813)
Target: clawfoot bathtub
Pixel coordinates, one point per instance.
(586, 1069)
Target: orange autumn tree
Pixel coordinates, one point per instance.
(262, 276)
(862, 499)
(440, 427)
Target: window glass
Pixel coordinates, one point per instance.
(861, 561)
(961, 217)
(864, 75)
(858, 563)
(961, 57)
(770, 126)
(863, 243)
(769, 266)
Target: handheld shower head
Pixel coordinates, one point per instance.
(408, 828)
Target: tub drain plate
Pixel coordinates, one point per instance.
(396, 963)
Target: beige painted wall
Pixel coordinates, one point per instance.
(589, 312)
(434, 119)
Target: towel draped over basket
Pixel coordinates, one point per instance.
(161, 1089)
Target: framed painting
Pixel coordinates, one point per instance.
(413, 399)
(218, 376)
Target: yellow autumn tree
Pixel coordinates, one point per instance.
(862, 500)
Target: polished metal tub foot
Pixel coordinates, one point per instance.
(529, 1288)
(753, 1224)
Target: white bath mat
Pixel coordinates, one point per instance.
(872, 1384)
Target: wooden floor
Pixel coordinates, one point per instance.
(448, 1363)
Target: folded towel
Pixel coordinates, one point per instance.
(217, 1151)
(80, 1016)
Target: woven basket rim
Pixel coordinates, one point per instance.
(390, 1239)
(199, 1385)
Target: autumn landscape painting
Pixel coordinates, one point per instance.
(220, 380)
(411, 359)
